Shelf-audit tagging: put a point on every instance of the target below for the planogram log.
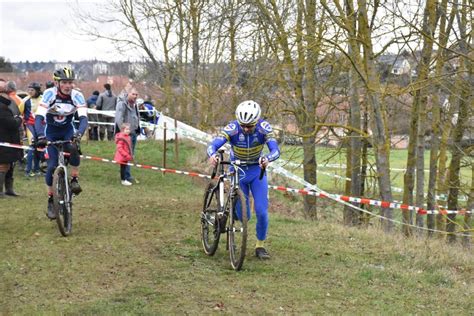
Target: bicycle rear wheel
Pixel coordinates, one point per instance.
(210, 232)
(62, 202)
(237, 232)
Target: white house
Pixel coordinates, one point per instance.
(401, 67)
(100, 68)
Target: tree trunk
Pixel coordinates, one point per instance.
(355, 139)
(310, 54)
(429, 27)
(364, 164)
(380, 143)
(349, 213)
(467, 240)
(195, 30)
(445, 29)
(463, 86)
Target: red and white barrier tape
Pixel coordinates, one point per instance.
(384, 204)
(188, 173)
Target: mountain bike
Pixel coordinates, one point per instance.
(220, 215)
(62, 195)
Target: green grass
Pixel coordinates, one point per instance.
(326, 155)
(136, 250)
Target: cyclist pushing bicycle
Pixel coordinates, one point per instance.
(57, 108)
(247, 136)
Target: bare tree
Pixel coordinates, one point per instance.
(420, 102)
(464, 84)
(441, 56)
(297, 47)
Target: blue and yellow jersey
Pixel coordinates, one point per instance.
(246, 147)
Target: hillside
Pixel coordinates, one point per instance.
(137, 250)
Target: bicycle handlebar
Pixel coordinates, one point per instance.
(59, 142)
(236, 163)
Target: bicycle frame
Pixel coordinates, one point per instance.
(59, 144)
(233, 177)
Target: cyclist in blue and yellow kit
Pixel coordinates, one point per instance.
(247, 136)
(57, 108)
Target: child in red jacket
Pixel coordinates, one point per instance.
(123, 151)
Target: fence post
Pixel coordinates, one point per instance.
(176, 149)
(164, 145)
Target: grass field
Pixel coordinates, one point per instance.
(136, 250)
(332, 157)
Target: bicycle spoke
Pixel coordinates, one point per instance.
(210, 234)
(61, 203)
(237, 232)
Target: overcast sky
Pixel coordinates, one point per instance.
(38, 30)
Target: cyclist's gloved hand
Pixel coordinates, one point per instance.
(213, 160)
(77, 137)
(41, 142)
(263, 162)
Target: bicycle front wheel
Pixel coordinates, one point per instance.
(237, 231)
(62, 202)
(210, 232)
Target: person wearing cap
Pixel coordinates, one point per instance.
(31, 103)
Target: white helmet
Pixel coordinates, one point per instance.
(248, 112)
(140, 101)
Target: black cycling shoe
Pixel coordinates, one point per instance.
(261, 253)
(75, 187)
(51, 215)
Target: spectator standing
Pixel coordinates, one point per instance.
(91, 104)
(9, 124)
(127, 112)
(123, 151)
(106, 101)
(17, 108)
(31, 103)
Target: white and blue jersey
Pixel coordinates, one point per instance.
(58, 109)
(249, 147)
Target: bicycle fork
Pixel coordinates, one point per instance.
(61, 163)
(221, 216)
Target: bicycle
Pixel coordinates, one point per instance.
(62, 195)
(219, 214)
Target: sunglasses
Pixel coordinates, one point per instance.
(248, 126)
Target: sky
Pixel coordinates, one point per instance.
(37, 30)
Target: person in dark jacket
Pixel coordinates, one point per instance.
(92, 104)
(9, 133)
(107, 101)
